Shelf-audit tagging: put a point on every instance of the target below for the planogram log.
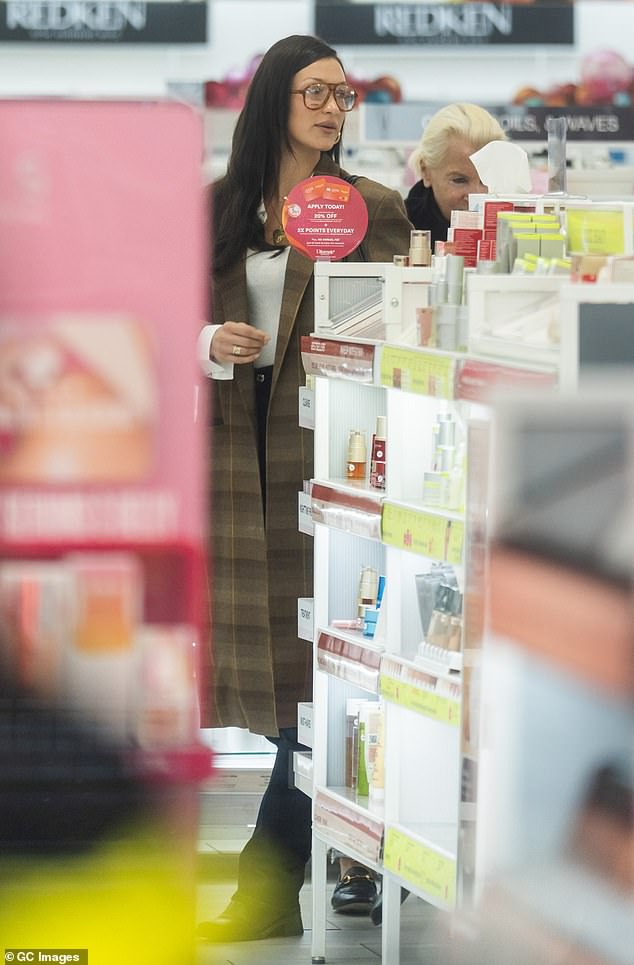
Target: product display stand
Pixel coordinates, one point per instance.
(102, 509)
(408, 830)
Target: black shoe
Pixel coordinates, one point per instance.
(242, 921)
(376, 912)
(355, 892)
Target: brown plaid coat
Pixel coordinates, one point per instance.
(259, 667)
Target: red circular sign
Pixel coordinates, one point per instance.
(325, 218)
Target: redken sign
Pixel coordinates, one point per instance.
(443, 23)
(77, 21)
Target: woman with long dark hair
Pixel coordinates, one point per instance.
(290, 129)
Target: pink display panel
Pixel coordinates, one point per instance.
(103, 265)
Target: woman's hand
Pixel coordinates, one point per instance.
(238, 342)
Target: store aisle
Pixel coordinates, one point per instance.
(350, 939)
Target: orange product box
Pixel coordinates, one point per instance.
(314, 189)
(337, 192)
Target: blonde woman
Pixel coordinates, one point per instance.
(441, 163)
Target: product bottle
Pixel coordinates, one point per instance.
(357, 455)
(352, 742)
(454, 641)
(377, 458)
(438, 633)
(363, 786)
(377, 782)
(368, 589)
(420, 247)
(455, 496)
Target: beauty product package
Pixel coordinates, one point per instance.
(438, 588)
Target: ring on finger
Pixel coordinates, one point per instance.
(236, 350)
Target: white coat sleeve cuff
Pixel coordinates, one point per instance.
(213, 370)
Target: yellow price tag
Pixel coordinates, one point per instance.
(434, 536)
(421, 701)
(421, 865)
(421, 372)
(595, 232)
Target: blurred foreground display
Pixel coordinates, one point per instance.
(102, 289)
(556, 791)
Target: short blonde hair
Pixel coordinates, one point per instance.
(467, 121)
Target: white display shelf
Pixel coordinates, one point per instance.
(303, 771)
(498, 347)
(438, 660)
(415, 388)
(482, 374)
(369, 300)
(343, 490)
(351, 509)
(349, 657)
(411, 387)
(340, 819)
(239, 772)
(435, 694)
(515, 318)
(362, 802)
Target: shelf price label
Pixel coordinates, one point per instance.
(595, 232)
(414, 371)
(476, 379)
(357, 513)
(429, 871)
(429, 535)
(347, 825)
(337, 358)
(420, 700)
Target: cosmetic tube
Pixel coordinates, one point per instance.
(354, 624)
(362, 785)
(377, 458)
(424, 324)
(455, 279)
(377, 782)
(352, 741)
(370, 712)
(434, 488)
(368, 589)
(446, 429)
(446, 326)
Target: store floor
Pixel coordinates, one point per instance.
(349, 939)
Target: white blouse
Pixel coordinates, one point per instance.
(265, 288)
(265, 272)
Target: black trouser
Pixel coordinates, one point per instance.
(263, 378)
(272, 863)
